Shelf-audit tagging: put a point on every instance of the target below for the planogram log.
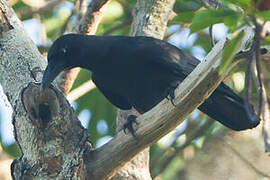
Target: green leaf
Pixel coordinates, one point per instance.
(244, 4)
(232, 21)
(207, 17)
(203, 41)
(266, 41)
(229, 52)
(185, 17)
(186, 5)
(13, 150)
(265, 15)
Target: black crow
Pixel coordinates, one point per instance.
(139, 72)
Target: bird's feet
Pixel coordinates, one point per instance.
(170, 92)
(129, 125)
(171, 97)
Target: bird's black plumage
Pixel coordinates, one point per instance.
(139, 72)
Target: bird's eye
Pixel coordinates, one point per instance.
(63, 50)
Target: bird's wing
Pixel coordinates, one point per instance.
(167, 56)
(178, 63)
(114, 98)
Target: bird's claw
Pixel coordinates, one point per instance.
(171, 96)
(129, 125)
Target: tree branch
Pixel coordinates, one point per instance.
(81, 90)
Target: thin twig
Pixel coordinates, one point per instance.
(254, 55)
(265, 110)
(266, 120)
(263, 107)
(258, 69)
(247, 82)
(81, 90)
(212, 40)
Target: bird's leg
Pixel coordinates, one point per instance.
(129, 125)
(171, 94)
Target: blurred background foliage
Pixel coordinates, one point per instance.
(173, 155)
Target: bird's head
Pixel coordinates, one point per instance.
(63, 55)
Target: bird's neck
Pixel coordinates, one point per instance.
(93, 53)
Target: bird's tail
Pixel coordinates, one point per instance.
(228, 108)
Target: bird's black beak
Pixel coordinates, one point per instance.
(50, 73)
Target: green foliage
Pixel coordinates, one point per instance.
(186, 5)
(203, 41)
(265, 15)
(207, 17)
(19, 5)
(244, 4)
(114, 11)
(230, 51)
(52, 23)
(185, 17)
(171, 172)
(266, 41)
(13, 150)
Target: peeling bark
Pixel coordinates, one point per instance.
(50, 136)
